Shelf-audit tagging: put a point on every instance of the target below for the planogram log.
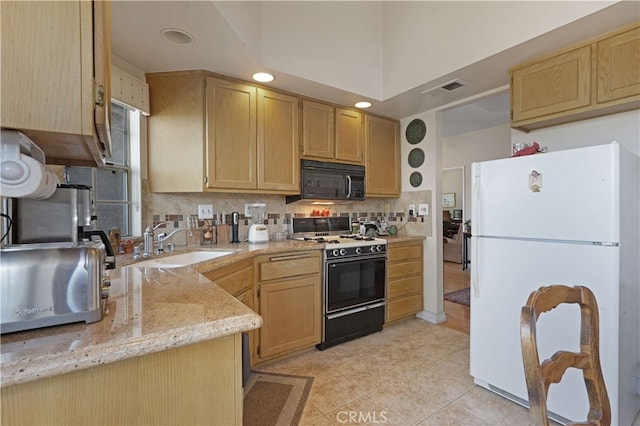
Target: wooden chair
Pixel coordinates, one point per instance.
(540, 376)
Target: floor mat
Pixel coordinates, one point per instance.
(275, 399)
(461, 296)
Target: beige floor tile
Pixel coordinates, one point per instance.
(312, 416)
(413, 400)
(492, 408)
(453, 415)
(416, 371)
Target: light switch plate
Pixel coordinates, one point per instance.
(205, 211)
(423, 209)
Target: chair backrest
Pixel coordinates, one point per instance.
(540, 376)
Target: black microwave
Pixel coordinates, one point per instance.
(322, 181)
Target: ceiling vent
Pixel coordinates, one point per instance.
(447, 87)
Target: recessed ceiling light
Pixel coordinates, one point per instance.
(363, 104)
(263, 77)
(177, 36)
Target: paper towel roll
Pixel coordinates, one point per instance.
(26, 178)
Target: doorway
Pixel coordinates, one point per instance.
(456, 281)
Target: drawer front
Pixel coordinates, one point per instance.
(395, 253)
(402, 269)
(404, 307)
(288, 265)
(404, 286)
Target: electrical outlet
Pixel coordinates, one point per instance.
(412, 209)
(423, 209)
(247, 209)
(205, 211)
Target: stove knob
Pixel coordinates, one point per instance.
(335, 252)
(372, 249)
(343, 252)
(358, 250)
(378, 248)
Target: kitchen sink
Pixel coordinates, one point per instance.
(179, 260)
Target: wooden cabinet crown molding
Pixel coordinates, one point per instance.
(597, 77)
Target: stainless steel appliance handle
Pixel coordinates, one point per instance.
(349, 186)
(354, 310)
(289, 257)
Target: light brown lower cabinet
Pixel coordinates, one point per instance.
(289, 294)
(195, 384)
(404, 280)
(237, 280)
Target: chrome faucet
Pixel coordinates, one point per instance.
(148, 239)
(164, 237)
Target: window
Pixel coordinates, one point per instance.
(114, 194)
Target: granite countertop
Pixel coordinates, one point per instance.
(148, 310)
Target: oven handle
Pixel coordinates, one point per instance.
(354, 310)
(361, 258)
(290, 257)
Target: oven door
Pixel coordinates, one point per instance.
(354, 282)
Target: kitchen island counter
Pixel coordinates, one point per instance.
(149, 310)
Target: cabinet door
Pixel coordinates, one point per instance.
(618, 74)
(48, 78)
(278, 142)
(231, 135)
(318, 131)
(555, 85)
(176, 132)
(291, 313)
(236, 279)
(349, 136)
(383, 157)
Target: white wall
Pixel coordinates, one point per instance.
(424, 40)
(623, 128)
(482, 145)
(431, 172)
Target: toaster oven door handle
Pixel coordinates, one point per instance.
(111, 257)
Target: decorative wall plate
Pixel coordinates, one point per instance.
(416, 131)
(415, 179)
(416, 157)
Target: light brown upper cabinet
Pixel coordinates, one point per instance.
(56, 77)
(207, 133)
(278, 142)
(598, 77)
(176, 129)
(318, 131)
(382, 167)
(331, 133)
(231, 135)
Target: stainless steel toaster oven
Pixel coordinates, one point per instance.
(49, 284)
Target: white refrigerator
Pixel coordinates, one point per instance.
(567, 217)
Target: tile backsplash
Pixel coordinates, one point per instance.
(176, 209)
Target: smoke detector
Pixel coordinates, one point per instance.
(447, 87)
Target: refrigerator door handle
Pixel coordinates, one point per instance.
(475, 275)
(474, 213)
